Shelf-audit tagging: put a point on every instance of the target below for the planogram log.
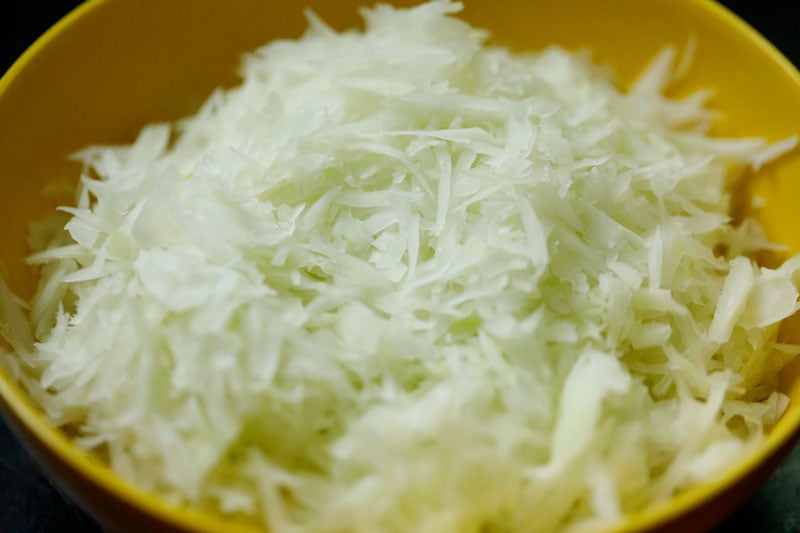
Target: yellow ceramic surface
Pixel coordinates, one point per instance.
(113, 65)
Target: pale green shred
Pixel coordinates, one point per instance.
(402, 280)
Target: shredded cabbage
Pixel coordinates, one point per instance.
(403, 280)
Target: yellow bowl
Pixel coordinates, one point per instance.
(111, 66)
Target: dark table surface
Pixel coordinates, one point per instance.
(29, 503)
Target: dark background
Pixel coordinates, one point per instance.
(29, 503)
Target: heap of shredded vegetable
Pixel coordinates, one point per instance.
(400, 280)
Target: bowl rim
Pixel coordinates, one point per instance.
(20, 406)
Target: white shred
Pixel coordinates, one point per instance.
(774, 151)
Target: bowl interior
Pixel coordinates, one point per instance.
(111, 67)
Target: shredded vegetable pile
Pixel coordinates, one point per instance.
(400, 279)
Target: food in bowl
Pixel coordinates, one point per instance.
(405, 280)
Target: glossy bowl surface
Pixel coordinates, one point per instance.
(112, 66)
